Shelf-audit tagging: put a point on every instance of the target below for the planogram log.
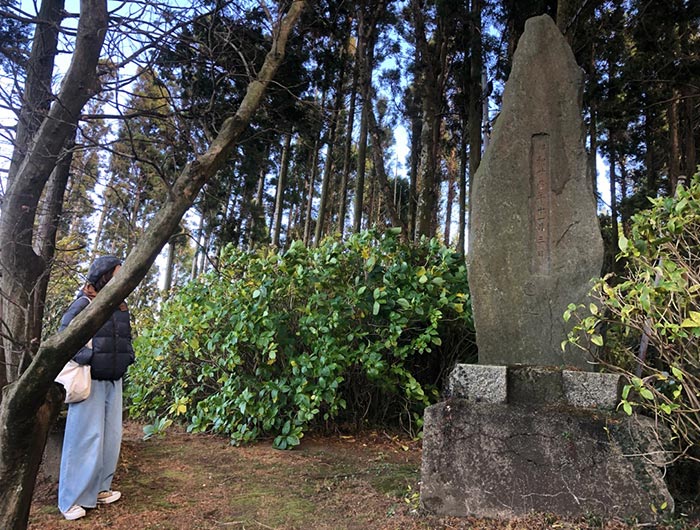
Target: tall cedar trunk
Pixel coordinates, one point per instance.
(452, 177)
(613, 197)
(691, 130)
(347, 153)
(414, 160)
(257, 211)
(312, 185)
(462, 225)
(624, 217)
(30, 404)
(475, 117)
(593, 128)
(279, 195)
(650, 127)
(366, 85)
(675, 144)
(328, 166)
(169, 266)
(36, 99)
(433, 72)
(382, 177)
(566, 9)
(197, 248)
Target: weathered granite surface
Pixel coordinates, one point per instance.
(500, 461)
(534, 240)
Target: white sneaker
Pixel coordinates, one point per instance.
(108, 497)
(74, 512)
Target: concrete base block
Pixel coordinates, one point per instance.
(534, 385)
(502, 461)
(591, 389)
(478, 382)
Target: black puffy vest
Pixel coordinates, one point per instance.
(112, 351)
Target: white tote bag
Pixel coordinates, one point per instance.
(76, 379)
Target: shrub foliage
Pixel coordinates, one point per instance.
(274, 344)
(649, 326)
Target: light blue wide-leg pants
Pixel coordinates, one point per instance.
(91, 446)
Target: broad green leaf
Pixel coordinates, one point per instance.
(646, 394)
(403, 303)
(597, 339)
(627, 407)
(677, 373)
(623, 243)
(693, 321)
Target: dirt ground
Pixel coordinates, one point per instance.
(364, 482)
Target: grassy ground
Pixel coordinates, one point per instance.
(366, 482)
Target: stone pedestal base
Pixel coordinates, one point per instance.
(51, 461)
(502, 460)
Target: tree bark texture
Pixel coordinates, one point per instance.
(328, 166)
(383, 179)
(29, 404)
(432, 54)
(36, 99)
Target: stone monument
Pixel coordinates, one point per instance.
(531, 427)
(534, 241)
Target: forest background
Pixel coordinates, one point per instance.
(318, 164)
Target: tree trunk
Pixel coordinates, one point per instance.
(383, 179)
(197, 248)
(613, 200)
(257, 211)
(169, 266)
(31, 402)
(310, 190)
(279, 195)
(47, 228)
(475, 117)
(414, 160)
(691, 130)
(461, 241)
(452, 176)
(674, 162)
(347, 153)
(433, 55)
(366, 89)
(327, 168)
(20, 264)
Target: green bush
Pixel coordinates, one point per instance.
(655, 308)
(275, 344)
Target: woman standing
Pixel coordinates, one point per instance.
(94, 427)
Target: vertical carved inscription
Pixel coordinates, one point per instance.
(541, 185)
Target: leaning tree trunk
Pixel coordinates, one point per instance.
(45, 242)
(26, 413)
(25, 407)
(36, 100)
(35, 105)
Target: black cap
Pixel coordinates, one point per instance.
(100, 266)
